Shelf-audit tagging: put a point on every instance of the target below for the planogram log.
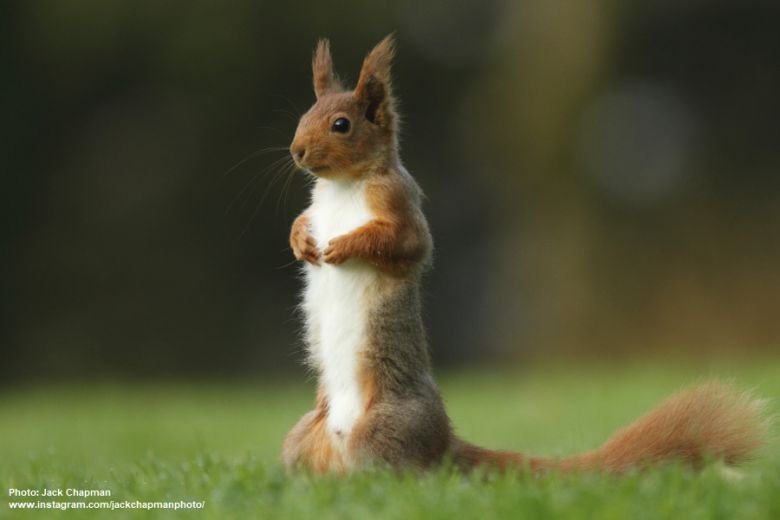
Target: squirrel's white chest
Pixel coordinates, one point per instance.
(337, 208)
(336, 304)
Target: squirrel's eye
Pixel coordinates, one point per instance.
(340, 125)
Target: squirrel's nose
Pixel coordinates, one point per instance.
(298, 152)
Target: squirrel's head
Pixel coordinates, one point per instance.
(348, 132)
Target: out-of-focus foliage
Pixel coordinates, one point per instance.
(602, 176)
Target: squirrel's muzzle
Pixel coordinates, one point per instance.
(298, 152)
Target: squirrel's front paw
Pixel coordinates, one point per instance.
(336, 252)
(305, 248)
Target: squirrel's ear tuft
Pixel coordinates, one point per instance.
(322, 69)
(374, 88)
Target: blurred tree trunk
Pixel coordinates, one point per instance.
(541, 284)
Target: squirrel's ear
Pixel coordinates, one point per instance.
(322, 69)
(374, 89)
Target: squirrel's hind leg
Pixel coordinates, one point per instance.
(308, 445)
(401, 434)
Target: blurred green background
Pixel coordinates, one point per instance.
(602, 178)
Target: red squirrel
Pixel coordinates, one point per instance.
(364, 243)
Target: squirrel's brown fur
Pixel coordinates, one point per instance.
(401, 420)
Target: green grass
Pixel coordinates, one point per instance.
(219, 443)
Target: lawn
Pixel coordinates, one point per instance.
(219, 443)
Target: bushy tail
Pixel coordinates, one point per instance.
(710, 420)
